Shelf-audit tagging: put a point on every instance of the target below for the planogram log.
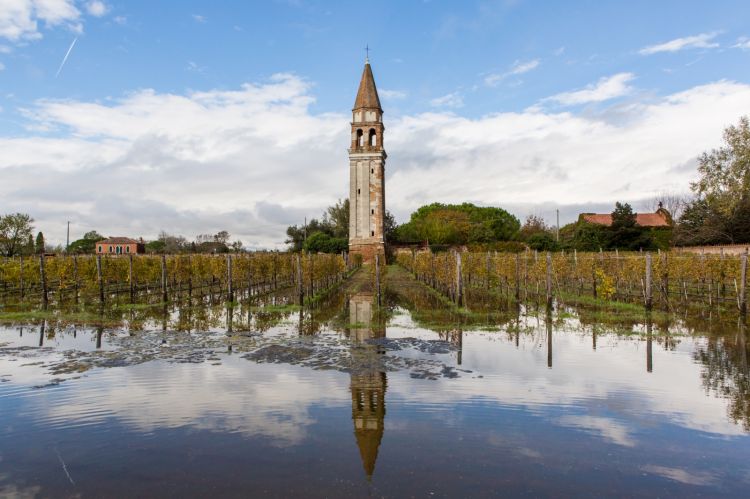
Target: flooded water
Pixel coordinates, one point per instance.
(348, 399)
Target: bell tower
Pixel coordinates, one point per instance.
(367, 172)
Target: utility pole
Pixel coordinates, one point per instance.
(557, 229)
(67, 239)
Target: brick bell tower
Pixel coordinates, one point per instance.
(367, 173)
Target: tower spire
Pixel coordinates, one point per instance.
(367, 94)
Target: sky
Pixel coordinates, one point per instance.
(191, 117)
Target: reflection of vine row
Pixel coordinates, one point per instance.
(101, 276)
(686, 278)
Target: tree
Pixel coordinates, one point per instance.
(700, 224)
(623, 217)
(15, 229)
(237, 246)
(458, 224)
(172, 244)
(222, 237)
(625, 233)
(28, 249)
(532, 225)
(543, 241)
(389, 227)
(87, 244)
(320, 242)
(39, 246)
(725, 172)
(155, 246)
(337, 218)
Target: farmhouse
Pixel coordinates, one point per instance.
(659, 219)
(120, 246)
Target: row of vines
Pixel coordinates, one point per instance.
(101, 276)
(687, 278)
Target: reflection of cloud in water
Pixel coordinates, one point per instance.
(607, 428)
(682, 476)
(15, 491)
(614, 372)
(271, 401)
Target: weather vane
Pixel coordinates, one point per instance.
(367, 53)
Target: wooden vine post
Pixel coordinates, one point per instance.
(649, 278)
(75, 275)
(549, 280)
(377, 276)
(518, 277)
(459, 281)
(164, 278)
(130, 277)
(300, 284)
(743, 284)
(43, 278)
(20, 278)
(100, 277)
(230, 284)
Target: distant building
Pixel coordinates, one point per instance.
(120, 246)
(660, 218)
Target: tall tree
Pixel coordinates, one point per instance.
(725, 172)
(39, 246)
(337, 216)
(623, 216)
(15, 229)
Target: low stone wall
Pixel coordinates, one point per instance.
(728, 249)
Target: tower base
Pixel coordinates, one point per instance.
(368, 251)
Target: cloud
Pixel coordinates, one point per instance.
(704, 40)
(19, 19)
(518, 67)
(97, 8)
(254, 159)
(392, 94)
(121, 20)
(605, 89)
(4, 49)
(2, 66)
(199, 18)
(743, 43)
(453, 99)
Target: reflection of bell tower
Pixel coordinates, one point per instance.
(368, 381)
(367, 172)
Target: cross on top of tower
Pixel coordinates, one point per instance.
(367, 54)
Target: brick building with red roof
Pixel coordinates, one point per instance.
(120, 246)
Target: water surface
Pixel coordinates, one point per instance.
(349, 399)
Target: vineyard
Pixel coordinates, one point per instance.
(98, 278)
(665, 278)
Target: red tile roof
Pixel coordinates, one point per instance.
(643, 219)
(118, 240)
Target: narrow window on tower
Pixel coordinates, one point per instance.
(372, 170)
(372, 233)
(359, 191)
(373, 137)
(372, 212)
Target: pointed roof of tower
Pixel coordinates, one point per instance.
(367, 95)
